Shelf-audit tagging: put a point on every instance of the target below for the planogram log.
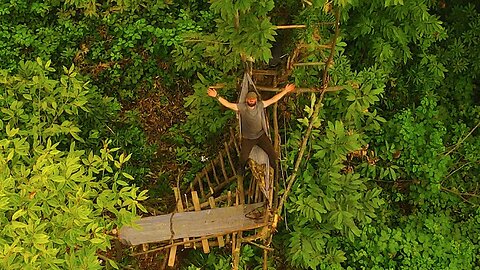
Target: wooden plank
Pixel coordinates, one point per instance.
(196, 204)
(171, 256)
(229, 198)
(221, 243)
(216, 221)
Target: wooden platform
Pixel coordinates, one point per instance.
(217, 221)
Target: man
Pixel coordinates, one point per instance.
(252, 128)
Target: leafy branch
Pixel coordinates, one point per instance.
(312, 119)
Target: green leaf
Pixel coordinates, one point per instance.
(97, 240)
(11, 132)
(113, 264)
(128, 176)
(122, 183)
(18, 213)
(40, 238)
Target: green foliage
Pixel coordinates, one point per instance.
(417, 138)
(58, 203)
(392, 32)
(250, 258)
(429, 241)
(328, 200)
(202, 123)
(245, 25)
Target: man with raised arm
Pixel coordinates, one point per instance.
(251, 113)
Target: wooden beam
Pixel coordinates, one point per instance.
(300, 89)
(309, 64)
(278, 27)
(269, 72)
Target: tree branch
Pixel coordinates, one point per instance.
(462, 140)
(460, 194)
(312, 118)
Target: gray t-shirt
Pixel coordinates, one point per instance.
(252, 127)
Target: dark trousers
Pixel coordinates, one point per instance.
(262, 142)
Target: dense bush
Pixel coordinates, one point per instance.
(59, 203)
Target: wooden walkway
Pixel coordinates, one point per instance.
(210, 222)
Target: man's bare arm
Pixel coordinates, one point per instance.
(213, 93)
(288, 88)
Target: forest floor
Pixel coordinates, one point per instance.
(158, 112)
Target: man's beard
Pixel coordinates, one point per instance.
(251, 105)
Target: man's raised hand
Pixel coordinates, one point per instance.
(212, 92)
(290, 87)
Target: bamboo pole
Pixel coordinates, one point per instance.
(250, 191)
(192, 184)
(254, 237)
(241, 192)
(229, 157)
(202, 192)
(229, 202)
(210, 188)
(222, 185)
(309, 64)
(236, 251)
(215, 173)
(267, 72)
(232, 134)
(206, 204)
(258, 245)
(301, 89)
(222, 166)
(297, 26)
